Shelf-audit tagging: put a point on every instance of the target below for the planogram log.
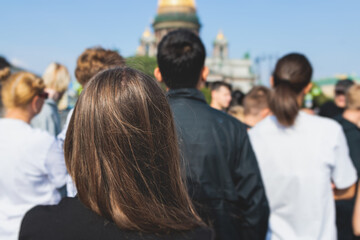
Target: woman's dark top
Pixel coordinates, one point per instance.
(345, 208)
(70, 219)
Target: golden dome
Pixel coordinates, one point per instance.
(146, 33)
(178, 3)
(220, 36)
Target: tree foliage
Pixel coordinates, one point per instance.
(144, 64)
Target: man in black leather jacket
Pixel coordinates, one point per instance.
(221, 169)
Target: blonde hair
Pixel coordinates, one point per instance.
(237, 112)
(57, 77)
(20, 88)
(353, 97)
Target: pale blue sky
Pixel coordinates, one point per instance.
(37, 32)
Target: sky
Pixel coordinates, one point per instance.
(38, 32)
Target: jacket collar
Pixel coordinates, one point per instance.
(191, 93)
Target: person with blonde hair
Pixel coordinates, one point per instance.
(237, 112)
(56, 78)
(122, 153)
(350, 122)
(28, 175)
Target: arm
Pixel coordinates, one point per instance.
(344, 174)
(344, 194)
(55, 165)
(251, 192)
(356, 215)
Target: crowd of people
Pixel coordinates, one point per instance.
(135, 162)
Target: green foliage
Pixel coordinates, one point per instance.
(317, 96)
(207, 93)
(144, 64)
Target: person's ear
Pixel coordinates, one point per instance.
(36, 104)
(271, 81)
(307, 89)
(204, 74)
(158, 75)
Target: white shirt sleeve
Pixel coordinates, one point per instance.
(62, 134)
(343, 172)
(55, 165)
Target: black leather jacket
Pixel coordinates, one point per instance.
(221, 169)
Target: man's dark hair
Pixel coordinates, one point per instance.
(342, 86)
(181, 57)
(218, 84)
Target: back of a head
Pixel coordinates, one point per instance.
(121, 151)
(56, 77)
(292, 74)
(353, 97)
(181, 57)
(20, 88)
(95, 60)
(256, 100)
(237, 98)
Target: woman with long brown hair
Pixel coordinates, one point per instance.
(300, 155)
(121, 151)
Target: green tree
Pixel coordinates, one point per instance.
(144, 64)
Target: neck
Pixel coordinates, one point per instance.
(19, 114)
(300, 99)
(352, 116)
(251, 120)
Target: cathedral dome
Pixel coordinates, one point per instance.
(171, 3)
(174, 14)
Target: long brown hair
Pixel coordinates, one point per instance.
(122, 153)
(292, 74)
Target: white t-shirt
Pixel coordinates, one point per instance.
(28, 176)
(297, 165)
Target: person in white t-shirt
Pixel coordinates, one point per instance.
(29, 174)
(302, 158)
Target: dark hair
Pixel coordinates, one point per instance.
(93, 61)
(121, 151)
(218, 84)
(237, 98)
(181, 57)
(256, 100)
(4, 69)
(342, 86)
(292, 74)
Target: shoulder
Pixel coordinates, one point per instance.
(320, 123)
(267, 124)
(202, 233)
(42, 136)
(44, 222)
(38, 220)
